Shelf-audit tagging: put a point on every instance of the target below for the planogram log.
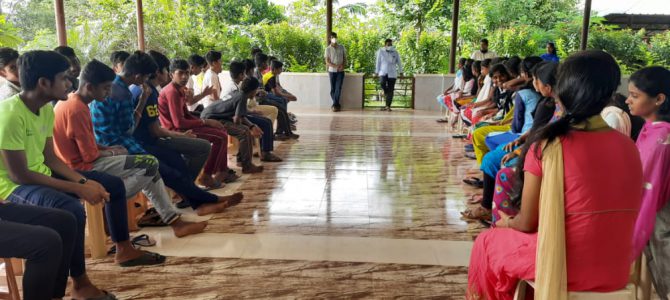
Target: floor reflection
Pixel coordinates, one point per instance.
(360, 174)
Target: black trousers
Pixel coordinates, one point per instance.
(388, 85)
(45, 238)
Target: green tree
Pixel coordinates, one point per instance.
(9, 35)
(238, 12)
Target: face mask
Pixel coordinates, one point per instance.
(333, 40)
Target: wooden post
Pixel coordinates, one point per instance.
(60, 22)
(585, 25)
(329, 20)
(140, 26)
(454, 37)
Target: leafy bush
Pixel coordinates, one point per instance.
(660, 49)
(291, 45)
(430, 54)
(627, 46)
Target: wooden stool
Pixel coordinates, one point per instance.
(95, 225)
(12, 287)
(628, 293)
(233, 145)
(135, 212)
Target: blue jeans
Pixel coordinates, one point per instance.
(267, 139)
(336, 81)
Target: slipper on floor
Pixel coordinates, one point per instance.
(147, 259)
(459, 136)
(474, 181)
(470, 155)
(151, 218)
(442, 120)
(143, 240)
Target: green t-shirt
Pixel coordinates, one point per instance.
(21, 129)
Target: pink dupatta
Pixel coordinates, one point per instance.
(654, 146)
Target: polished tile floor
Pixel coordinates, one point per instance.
(365, 205)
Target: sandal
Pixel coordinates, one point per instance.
(478, 213)
(151, 218)
(143, 240)
(474, 181)
(147, 259)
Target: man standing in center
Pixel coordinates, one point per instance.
(387, 66)
(336, 59)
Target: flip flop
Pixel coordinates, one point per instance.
(151, 218)
(442, 121)
(459, 136)
(147, 259)
(143, 240)
(474, 181)
(470, 155)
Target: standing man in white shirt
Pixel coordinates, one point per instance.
(483, 52)
(388, 65)
(336, 59)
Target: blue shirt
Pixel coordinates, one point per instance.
(113, 119)
(149, 115)
(550, 57)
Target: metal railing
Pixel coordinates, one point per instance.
(373, 95)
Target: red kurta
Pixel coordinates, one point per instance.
(603, 189)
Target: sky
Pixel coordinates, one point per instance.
(603, 7)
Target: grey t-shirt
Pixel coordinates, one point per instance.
(226, 110)
(336, 55)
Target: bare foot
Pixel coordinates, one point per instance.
(211, 208)
(232, 200)
(183, 228)
(82, 288)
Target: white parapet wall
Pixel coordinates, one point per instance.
(313, 89)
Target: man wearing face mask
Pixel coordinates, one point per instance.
(336, 59)
(483, 52)
(388, 65)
